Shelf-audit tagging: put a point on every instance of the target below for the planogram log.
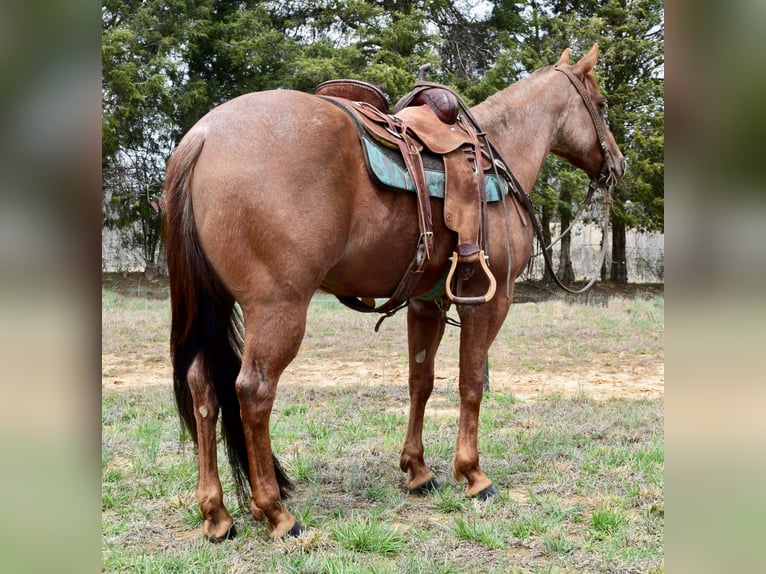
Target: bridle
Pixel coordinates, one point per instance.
(606, 179)
(607, 176)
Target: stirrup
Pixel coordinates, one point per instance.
(476, 300)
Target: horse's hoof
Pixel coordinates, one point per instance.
(295, 531)
(230, 533)
(430, 486)
(487, 493)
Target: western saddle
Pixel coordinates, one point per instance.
(431, 120)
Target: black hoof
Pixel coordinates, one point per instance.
(487, 493)
(430, 486)
(295, 531)
(230, 533)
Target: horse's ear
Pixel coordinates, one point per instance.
(564, 59)
(587, 62)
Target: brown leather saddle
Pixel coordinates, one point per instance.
(431, 117)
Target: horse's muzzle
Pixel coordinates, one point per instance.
(623, 167)
(612, 171)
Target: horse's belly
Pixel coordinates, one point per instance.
(365, 272)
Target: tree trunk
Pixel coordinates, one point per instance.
(565, 272)
(619, 268)
(162, 260)
(545, 224)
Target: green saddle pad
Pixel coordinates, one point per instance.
(387, 166)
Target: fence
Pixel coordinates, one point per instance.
(645, 253)
(115, 257)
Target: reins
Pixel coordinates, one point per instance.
(545, 251)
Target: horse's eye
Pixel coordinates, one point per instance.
(602, 106)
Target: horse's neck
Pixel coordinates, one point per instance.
(520, 122)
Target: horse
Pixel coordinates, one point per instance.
(268, 200)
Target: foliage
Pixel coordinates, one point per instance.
(630, 34)
(166, 63)
(632, 68)
(137, 50)
(130, 206)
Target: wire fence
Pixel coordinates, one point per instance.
(645, 255)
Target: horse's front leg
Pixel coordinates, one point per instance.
(479, 326)
(218, 524)
(425, 327)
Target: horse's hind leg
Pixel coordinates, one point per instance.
(425, 327)
(218, 523)
(273, 335)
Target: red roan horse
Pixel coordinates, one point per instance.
(268, 200)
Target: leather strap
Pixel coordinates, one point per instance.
(606, 177)
(577, 83)
(411, 154)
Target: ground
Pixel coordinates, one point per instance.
(627, 374)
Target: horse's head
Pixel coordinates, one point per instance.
(584, 138)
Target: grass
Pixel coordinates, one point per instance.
(607, 521)
(369, 535)
(487, 532)
(580, 480)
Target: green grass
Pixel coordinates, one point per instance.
(580, 480)
(369, 535)
(485, 532)
(607, 521)
(552, 509)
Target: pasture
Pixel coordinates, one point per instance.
(571, 432)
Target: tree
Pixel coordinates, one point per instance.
(131, 206)
(165, 63)
(136, 130)
(632, 65)
(560, 186)
(225, 49)
(631, 38)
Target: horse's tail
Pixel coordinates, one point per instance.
(205, 323)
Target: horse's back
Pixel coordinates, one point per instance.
(282, 126)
